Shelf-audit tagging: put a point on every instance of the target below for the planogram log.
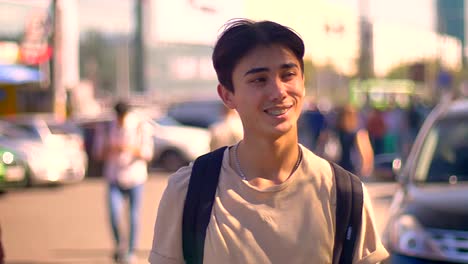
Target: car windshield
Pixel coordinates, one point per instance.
(167, 121)
(196, 113)
(64, 128)
(444, 153)
(14, 132)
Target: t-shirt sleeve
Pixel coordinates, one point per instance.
(167, 238)
(369, 248)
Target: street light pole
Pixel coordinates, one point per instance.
(59, 96)
(366, 47)
(139, 50)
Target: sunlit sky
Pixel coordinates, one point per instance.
(189, 21)
(403, 30)
(413, 13)
(184, 21)
(114, 15)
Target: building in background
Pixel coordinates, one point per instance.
(451, 21)
(178, 36)
(26, 57)
(180, 39)
(41, 37)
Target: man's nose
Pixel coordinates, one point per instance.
(278, 89)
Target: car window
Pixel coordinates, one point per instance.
(64, 128)
(167, 121)
(197, 113)
(444, 153)
(15, 132)
(30, 129)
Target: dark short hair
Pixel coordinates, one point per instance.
(121, 108)
(240, 36)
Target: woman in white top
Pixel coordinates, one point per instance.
(127, 148)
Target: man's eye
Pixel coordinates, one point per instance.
(258, 80)
(289, 75)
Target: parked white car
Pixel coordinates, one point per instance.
(58, 136)
(44, 164)
(176, 145)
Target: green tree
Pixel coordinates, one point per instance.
(398, 72)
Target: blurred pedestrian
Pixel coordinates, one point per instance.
(354, 139)
(377, 130)
(311, 125)
(275, 199)
(414, 119)
(228, 131)
(394, 119)
(126, 149)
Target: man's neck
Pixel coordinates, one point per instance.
(266, 163)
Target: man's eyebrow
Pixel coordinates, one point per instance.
(289, 65)
(265, 69)
(256, 70)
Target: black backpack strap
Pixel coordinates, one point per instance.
(198, 204)
(349, 202)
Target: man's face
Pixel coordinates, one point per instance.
(268, 91)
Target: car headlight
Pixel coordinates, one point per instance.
(406, 236)
(8, 157)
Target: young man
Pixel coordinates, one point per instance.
(275, 200)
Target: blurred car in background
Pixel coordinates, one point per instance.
(198, 113)
(175, 145)
(428, 218)
(385, 166)
(90, 126)
(44, 164)
(12, 170)
(64, 136)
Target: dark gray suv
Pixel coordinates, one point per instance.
(429, 213)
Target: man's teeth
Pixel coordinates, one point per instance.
(277, 112)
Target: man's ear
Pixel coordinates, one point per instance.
(227, 96)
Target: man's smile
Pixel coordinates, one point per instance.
(278, 110)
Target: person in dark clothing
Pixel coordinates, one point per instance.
(353, 138)
(377, 130)
(313, 124)
(414, 119)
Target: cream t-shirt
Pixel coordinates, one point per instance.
(292, 223)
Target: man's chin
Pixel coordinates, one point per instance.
(282, 130)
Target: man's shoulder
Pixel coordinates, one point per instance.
(318, 163)
(320, 174)
(178, 181)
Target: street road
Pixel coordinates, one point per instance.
(69, 224)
